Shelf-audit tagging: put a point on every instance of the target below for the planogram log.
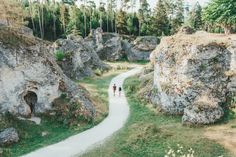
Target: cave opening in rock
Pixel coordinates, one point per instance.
(31, 99)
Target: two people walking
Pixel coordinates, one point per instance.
(114, 90)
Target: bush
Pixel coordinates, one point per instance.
(60, 55)
(70, 114)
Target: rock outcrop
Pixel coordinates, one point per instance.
(140, 48)
(194, 75)
(30, 79)
(107, 45)
(9, 136)
(112, 46)
(80, 59)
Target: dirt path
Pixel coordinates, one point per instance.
(78, 144)
(224, 134)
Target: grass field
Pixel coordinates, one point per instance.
(150, 134)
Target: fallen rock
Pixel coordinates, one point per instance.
(190, 75)
(8, 136)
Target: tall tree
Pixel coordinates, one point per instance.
(195, 17)
(143, 15)
(178, 20)
(92, 7)
(160, 19)
(221, 12)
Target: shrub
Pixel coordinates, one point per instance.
(70, 114)
(60, 55)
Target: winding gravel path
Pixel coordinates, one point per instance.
(80, 143)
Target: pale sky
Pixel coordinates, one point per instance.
(153, 2)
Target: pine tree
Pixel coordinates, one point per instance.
(121, 22)
(178, 19)
(195, 17)
(160, 19)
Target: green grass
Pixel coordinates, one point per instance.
(31, 134)
(149, 133)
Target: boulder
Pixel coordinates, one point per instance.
(8, 136)
(30, 79)
(193, 75)
(80, 59)
(140, 48)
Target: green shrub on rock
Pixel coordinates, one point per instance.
(59, 55)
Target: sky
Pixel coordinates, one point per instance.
(153, 2)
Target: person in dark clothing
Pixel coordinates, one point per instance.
(120, 89)
(114, 89)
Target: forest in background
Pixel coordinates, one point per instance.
(51, 19)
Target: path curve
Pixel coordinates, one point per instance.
(80, 143)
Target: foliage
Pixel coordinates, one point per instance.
(221, 12)
(69, 114)
(60, 55)
(195, 17)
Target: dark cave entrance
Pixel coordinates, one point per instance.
(31, 99)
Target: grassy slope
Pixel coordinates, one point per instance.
(31, 134)
(149, 134)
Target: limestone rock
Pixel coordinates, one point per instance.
(80, 59)
(106, 45)
(190, 68)
(140, 48)
(8, 136)
(30, 79)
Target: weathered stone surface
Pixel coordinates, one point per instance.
(8, 136)
(190, 75)
(140, 48)
(30, 79)
(112, 46)
(80, 59)
(107, 45)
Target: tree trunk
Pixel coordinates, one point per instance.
(107, 22)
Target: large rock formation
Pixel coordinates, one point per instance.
(140, 48)
(107, 45)
(30, 79)
(112, 46)
(80, 59)
(194, 75)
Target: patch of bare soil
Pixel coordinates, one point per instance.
(224, 134)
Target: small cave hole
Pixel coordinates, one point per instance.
(31, 99)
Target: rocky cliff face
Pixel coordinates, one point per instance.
(194, 75)
(80, 59)
(112, 46)
(30, 79)
(140, 48)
